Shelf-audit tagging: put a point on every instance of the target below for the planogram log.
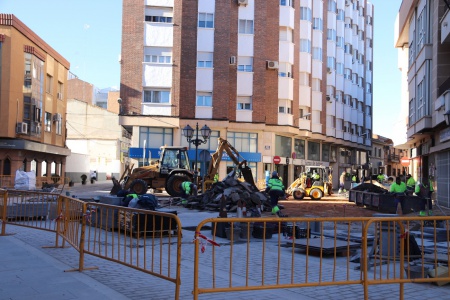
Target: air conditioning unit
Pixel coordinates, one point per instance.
(328, 97)
(232, 60)
(57, 117)
(329, 70)
(242, 2)
(347, 2)
(272, 64)
(22, 128)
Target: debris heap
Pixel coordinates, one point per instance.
(371, 188)
(234, 192)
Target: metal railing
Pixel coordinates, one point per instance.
(148, 241)
(282, 253)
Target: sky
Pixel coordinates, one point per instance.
(88, 34)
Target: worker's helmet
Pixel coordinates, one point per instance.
(408, 176)
(274, 174)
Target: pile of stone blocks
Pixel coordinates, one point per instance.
(235, 193)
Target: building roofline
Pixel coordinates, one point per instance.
(12, 20)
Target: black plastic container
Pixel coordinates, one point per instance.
(258, 230)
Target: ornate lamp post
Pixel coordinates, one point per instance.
(188, 132)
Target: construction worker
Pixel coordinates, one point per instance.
(330, 183)
(315, 176)
(342, 182)
(187, 188)
(410, 184)
(424, 190)
(398, 188)
(275, 188)
(380, 178)
(216, 177)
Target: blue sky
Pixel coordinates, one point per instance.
(88, 34)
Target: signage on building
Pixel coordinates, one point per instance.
(276, 160)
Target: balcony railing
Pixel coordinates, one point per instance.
(394, 158)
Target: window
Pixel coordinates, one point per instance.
(368, 88)
(411, 56)
(287, 3)
(245, 64)
(158, 19)
(313, 151)
(369, 20)
(421, 29)
(158, 55)
(361, 35)
(59, 127)
(332, 5)
(347, 99)
(360, 58)
(317, 53)
(158, 59)
(368, 110)
(204, 59)
(348, 73)
(348, 49)
(49, 85)
(157, 96)
(411, 112)
(420, 100)
(243, 141)
(369, 65)
(325, 152)
(317, 24)
(284, 107)
(360, 81)
(48, 122)
(60, 90)
(331, 35)
(154, 137)
(305, 45)
(315, 86)
(204, 99)
(331, 62)
(340, 68)
(340, 42)
(303, 78)
(338, 96)
(244, 103)
(27, 77)
(305, 13)
(354, 78)
(340, 15)
(205, 20)
(369, 42)
(246, 26)
(348, 23)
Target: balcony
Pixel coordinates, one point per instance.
(445, 28)
(393, 158)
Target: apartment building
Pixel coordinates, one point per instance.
(288, 83)
(32, 103)
(423, 40)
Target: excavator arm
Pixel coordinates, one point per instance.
(234, 155)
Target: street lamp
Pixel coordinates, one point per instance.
(188, 132)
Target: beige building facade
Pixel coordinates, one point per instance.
(33, 103)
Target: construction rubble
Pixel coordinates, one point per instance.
(230, 194)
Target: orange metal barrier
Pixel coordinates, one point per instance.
(145, 240)
(305, 252)
(401, 256)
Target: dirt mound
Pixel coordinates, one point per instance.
(371, 188)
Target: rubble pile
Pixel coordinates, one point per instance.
(230, 193)
(371, 188)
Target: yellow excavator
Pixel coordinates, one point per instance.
(216, 158)
(307, 186)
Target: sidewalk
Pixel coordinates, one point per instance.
(28, 273)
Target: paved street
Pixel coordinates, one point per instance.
(32, 272)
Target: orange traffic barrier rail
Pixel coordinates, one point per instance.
(146, 240)
(280, 253)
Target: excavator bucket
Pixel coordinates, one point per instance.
(248, 176)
